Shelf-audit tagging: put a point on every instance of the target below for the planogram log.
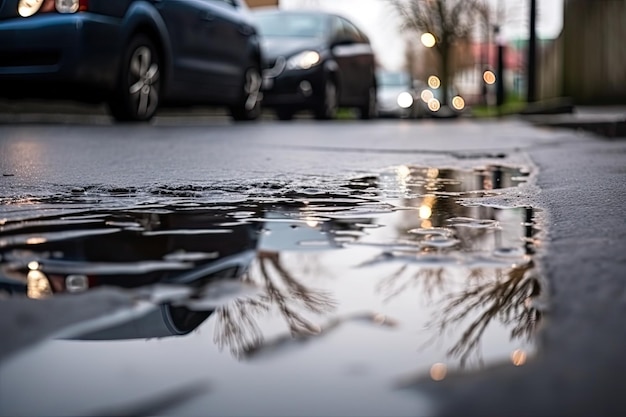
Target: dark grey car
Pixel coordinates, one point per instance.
(315, 61)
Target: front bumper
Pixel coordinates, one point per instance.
(58, 54)
(295, 88)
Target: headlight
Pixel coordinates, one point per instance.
(27, 8)
(67, 6)
(404, 100)
(303, 60)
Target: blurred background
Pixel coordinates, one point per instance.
(505, 52)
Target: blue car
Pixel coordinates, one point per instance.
(135, 55)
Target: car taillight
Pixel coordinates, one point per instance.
(26, 8)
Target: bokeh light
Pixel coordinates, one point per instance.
(518, 357)
(434, 81)
(489, 77)
(433, 104)
(427, 95)
(438, 371)
(428, 40)
(404, 100)
(458, 103)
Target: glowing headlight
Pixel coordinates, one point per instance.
(67, 6)
(27, 8)
(427, 95)
(303, 60)
(404, 100)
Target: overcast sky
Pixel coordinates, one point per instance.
(376, 19)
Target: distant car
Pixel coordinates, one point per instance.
(316, 61)
(431, 102)
(396, 95)
(133, 54)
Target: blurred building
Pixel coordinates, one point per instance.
(594, 56)
(262, 3)
(588, 61)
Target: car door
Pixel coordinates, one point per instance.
(188, 34)
(230, 33)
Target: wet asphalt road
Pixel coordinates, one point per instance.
(580, 185)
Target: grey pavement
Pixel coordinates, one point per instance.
(608, 121)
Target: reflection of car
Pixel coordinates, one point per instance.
(396, 95)
(9, 286)
(430, 102)
(135, 55)
(316, 61)
(178, 318)
(133, 249)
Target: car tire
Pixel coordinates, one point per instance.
(284, 114)
(368, 109)
(137, 94)
(248, 107)
(327, 108)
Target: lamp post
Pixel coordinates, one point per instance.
(532, 54)
(500, 94)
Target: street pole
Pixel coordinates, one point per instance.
(532, 54)
(500, 94)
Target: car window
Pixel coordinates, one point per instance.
(291, 25)
(393, 79)
(350, 32)
(229, 2)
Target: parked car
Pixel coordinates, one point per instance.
(431, 102)
(136, 55)
(396, 95)
(315, 61)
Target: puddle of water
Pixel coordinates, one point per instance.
(308, 303)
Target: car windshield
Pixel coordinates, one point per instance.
(291, 25)
(393, 79)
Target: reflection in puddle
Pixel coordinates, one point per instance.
(389, 275)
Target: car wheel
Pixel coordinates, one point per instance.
(368, 110)
(136, 97)
(249, 105)
(284, 114)
(327, 109)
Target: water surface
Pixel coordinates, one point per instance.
(310, 303)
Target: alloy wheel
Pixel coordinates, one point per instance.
(143, 75)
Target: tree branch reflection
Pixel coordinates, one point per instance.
(237, 326)
(506, 299)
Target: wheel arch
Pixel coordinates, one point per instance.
(141, 18)
(331, 71)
